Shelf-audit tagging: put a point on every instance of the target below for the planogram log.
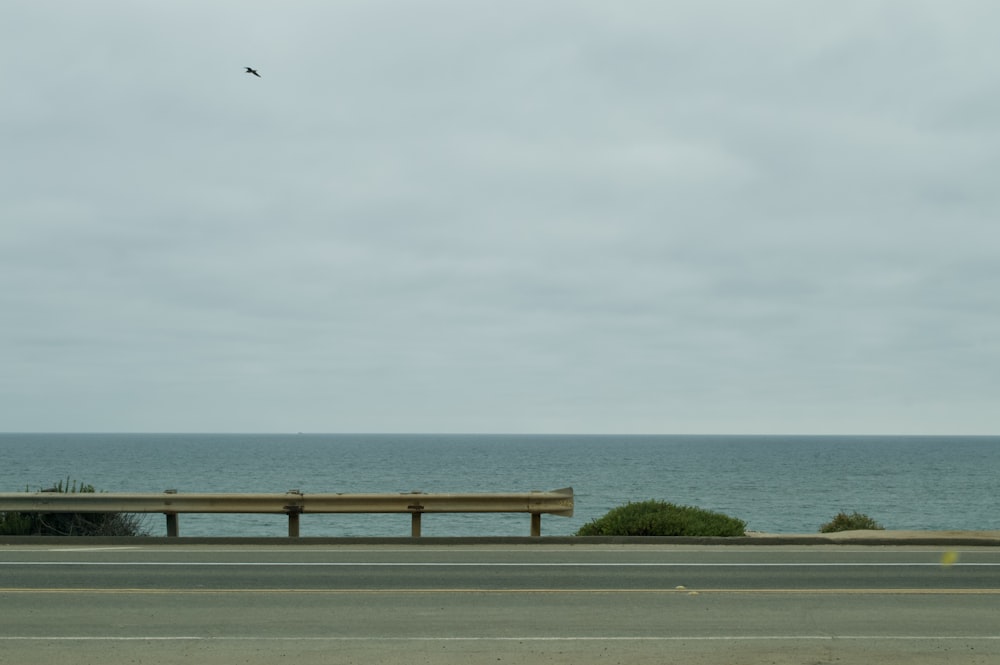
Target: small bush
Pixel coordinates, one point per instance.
(854, 522)
(70, 524)
(658, 518)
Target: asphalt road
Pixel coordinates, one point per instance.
(499, 604)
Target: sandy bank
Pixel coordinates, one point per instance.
(869, 534)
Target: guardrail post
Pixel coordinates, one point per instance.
(536, 524)
(416, 511)
(294, 510)
(173, 529)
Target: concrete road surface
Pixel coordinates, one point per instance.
(498, 604)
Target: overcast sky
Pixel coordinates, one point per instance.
(500, 216)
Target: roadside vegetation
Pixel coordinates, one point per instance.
(659, 518)
(854, 522)
(70, 524)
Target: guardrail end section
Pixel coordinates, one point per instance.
(570, 503)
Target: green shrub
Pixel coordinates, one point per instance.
(658, 518)
(853, 522)
(70, 524)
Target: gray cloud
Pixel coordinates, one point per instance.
(442, 216)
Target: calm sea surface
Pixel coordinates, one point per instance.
(781, 484)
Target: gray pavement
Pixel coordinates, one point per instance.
(499, 604)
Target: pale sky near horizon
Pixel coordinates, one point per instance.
(500, 216)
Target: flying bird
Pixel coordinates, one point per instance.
(252, 71)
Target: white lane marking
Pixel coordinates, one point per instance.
(90, 549)
(503, 564)
(541, 548)
(548, 638)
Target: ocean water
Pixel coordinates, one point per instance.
(779, 484)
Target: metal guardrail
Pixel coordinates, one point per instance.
(294, 503)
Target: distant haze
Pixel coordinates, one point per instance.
(443, 216)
